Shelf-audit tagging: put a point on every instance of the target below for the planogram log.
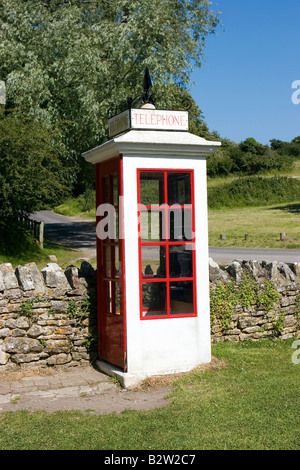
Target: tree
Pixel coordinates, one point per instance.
(72, 62)
(290, 149)
(250, 145)
(31, 172)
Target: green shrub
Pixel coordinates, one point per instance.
(254, 191)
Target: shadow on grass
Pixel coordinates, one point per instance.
(292, 208)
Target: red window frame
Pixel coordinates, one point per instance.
(167, 243)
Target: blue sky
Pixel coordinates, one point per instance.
(244, 87)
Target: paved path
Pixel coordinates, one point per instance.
(81, 235)
(81, 388)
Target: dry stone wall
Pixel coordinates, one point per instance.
(253, 300)
(48, 317)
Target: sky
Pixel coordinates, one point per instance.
(244, 87)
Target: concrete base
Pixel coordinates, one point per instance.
(126, 380)
(130, 381)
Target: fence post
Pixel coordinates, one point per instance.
(41, 235)
(282, 236)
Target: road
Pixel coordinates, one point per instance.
(69, 231)
(227, 255)
(81, 235)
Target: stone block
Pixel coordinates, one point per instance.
(20, 322)
(2, 285)
(8, 276)
(58, 346)
(22, 345)
(27, 358)
(72, 275)
(24, 277)
(59, 359)
(216, 274)
(235, 270)
(37, 278)
(54, 277)
(4, 332)
(286, 301)
(4, 356)
(59, 306)
(245, 322)
(35, 331)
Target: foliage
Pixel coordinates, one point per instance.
(224, 297)
(222, 301)
(82, 310)
(27, 305)
(268, 297)
(248, 158)
(83, 205)
(31, 171)
(71, 63)
(219, 164)
(254, 191)
(279, 324)
(287, 148)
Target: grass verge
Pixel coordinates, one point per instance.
(32, 253)
(263, 224)
(82, 206)
(251, 403)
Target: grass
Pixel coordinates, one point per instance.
(250, 403)
(65, 256)
(82, 206)
(263, 224)
(219, 181)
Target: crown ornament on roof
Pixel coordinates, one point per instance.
(146, 98)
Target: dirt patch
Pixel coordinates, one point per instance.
(16, 374)
(166, 380)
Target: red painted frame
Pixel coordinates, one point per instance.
(111, 326)
(167, 244)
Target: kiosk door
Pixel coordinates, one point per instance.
(110, 257)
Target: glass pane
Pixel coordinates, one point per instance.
(180, 224)
(117, 297)
(179, 188)
(153, 261)
(117, 264)
(116, 233)
(154, 298)
(108, 296)
(115, 191)
(181, 261)
(152, 225)
(112, 297)
(151, 188)
(181, 298)
(106, 189)
(107, 255)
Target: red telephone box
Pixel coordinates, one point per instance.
(153, 288)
